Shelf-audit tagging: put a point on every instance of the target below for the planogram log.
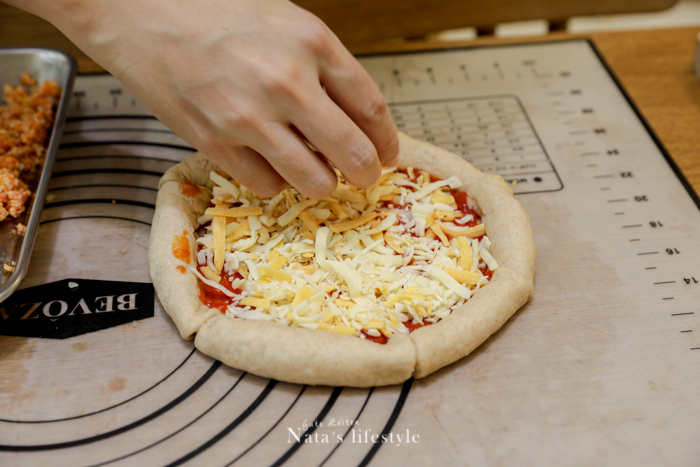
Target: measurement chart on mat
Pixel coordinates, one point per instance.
(493, 133)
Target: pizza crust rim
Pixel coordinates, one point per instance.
(272, 350)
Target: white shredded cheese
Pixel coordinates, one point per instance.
(211, 283)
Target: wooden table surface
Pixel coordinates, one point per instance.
(654, 66)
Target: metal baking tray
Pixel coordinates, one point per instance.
(42, 64)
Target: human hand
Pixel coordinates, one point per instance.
(247, 82)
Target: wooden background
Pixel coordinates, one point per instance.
(359, 21)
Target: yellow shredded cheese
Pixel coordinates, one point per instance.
(262, 303)
(270, 273)
(305, 292)
(465, 253)
(309, 221)
(219, 234)
(241, 231)
(278, 262)
(234, 212)
(338, 329)
(471, 232)
(440, 234)
(464, 277)
(210, 274)
(353, 224)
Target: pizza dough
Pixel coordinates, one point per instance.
(308, 356)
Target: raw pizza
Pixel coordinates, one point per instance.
(361, 288)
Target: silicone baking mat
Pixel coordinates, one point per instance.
(601, 367)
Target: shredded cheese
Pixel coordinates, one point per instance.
(353, 224)
(471, 232)
(219, 234)
(359, 262)
(234, 212)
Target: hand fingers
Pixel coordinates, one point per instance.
(292, 158)
(337, 137)
(251, 170)
(353, 90)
